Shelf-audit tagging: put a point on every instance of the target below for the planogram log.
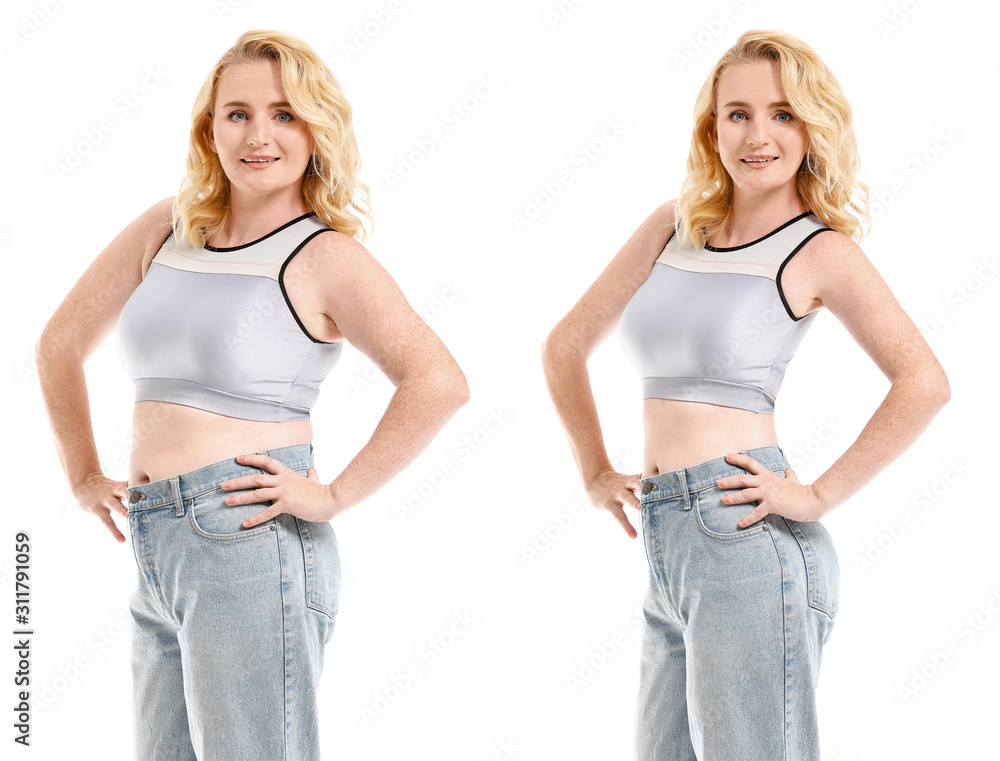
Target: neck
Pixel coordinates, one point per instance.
(754, 215)
(252, 217)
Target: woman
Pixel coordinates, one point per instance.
(711, 296)
(235, 299)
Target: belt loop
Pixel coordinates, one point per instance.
(175, 485)
(682, 476)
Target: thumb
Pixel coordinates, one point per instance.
(312, 475)
(790, 474)
(120, 490)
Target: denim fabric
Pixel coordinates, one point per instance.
(229, 623)
(734, 622)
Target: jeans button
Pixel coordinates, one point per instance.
(765, 527)
(136, 496)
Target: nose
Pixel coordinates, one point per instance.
(759, 132)
(259, 132)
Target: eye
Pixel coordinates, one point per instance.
(790, 117)
(285, 113)
(734, 114)
(232, 114)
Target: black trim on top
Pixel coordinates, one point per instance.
(281, 283)
(254, 242)
(781, 267)
(803, 215)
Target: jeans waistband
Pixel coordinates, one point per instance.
(677, 483)
(207, 478)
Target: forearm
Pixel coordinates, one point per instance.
(417, 411)
(63, 385)
(904, 414)
(568, 382)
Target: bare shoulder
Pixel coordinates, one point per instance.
(89, 312)
(332, 280)
(597, 313)
(341, 292)
(328, 255)
(159, 224)
(329, 245)
(824, 264)
(840, 275)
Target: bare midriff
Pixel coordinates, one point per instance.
(171, 439)
(681, 434)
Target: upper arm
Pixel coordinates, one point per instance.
(595, 316)
(367, 306)
(840, 275)
(89, 312)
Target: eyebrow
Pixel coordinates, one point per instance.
(741, 104)
(278, 104)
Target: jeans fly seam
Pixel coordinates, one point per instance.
(151, 578)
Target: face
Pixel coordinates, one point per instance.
(754, 119)
(252, 119)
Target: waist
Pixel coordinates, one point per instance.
(170, 438)
(681, 482)
(208, 477)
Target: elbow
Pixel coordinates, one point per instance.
(461, 393)
(43, 350)
(454, 387)
(934, 385)
(937, 381)
(553, 348)
(944, 390)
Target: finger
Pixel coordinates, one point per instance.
(252, 495)
(254, 480)
(746, 462)
(312, 475)
(741, 496)
(262, 461)
(263, 515)
(790, 474)
(753, 516)
(257, 480)
(108, 521)
(625, 523)
(631, 500)
(734, 481)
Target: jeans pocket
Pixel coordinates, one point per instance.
(821, 563)
(721, 520)
(213, 519)
(321, 557)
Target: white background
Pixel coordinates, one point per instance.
(912, 71)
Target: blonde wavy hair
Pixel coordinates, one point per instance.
(330, 186)
(827, 178)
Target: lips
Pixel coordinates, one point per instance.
(760, 162)
(258, 160)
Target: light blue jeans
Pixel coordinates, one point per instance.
(229, 623)
(735, 620)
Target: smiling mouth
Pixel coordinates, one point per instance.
(258, 161)
(759, 161)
